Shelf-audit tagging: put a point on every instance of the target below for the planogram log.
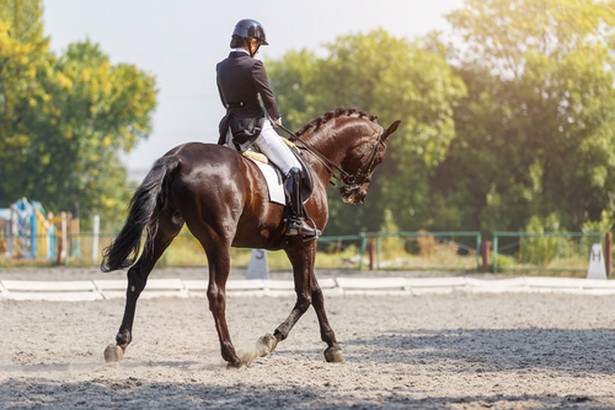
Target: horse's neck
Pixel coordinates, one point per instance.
(332, 145)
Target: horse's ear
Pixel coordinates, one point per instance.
(392, 128)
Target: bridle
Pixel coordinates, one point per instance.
(363, 174)
(349, 182)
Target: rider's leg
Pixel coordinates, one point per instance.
(296, 223)
(271, 144)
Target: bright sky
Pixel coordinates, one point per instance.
(180, 42)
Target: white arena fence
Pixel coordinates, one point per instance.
(73, 291)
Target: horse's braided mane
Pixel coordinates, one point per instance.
(316, 123)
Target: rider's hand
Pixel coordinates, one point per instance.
(277, 123)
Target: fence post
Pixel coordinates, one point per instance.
(75, 232)
(95, 233)
(378, 250)
(363, 247)
(62, 251)
(8, 253)
(484, 251)
(479, 241)
(51, 254)
(11, 239)
(370, 252)
(608, 238)
(34, 234)
(495, 252)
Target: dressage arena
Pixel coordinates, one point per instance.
(465, 347)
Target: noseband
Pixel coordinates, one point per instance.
(349, 182)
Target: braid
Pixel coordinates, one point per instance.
(342, 111)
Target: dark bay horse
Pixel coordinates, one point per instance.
(223, 199)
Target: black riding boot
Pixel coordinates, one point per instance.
(296, 224)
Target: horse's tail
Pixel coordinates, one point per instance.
(145, 207)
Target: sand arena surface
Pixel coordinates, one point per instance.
(458, 350)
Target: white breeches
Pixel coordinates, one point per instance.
(271, 144)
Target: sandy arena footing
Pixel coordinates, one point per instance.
(459, 349)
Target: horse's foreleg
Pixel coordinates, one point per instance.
(303, 302)
(308, 292)
(302, 259)
(333, 352)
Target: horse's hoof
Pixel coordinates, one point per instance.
(334, 355)
(266, 344)
(113, 354)
(235, 365)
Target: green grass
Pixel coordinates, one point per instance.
(425, 253)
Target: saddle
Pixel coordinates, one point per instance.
(275, 183)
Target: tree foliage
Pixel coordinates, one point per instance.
(536, 128)
(394, 79)
(512, 125)
(64, 119)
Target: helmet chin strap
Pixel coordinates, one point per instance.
(252, 54)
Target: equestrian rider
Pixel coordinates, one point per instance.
(241, 79)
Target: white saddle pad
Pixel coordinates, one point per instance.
(274, 182)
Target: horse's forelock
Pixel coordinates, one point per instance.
(315, 124)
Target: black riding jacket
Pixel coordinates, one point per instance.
(241, 79)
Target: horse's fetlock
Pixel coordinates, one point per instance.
(228, 352)
(123, 338)
(281, 333)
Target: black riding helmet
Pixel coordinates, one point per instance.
(249, 28)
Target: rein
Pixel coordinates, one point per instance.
(349, 181)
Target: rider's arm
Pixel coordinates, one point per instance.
(261, 82)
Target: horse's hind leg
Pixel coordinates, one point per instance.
(218, 256)
(168, 228)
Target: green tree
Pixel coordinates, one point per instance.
(25, 18)
(64, 120)
(394, 79)
(295, 77)
(535, 134)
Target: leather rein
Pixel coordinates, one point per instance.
(349, 181)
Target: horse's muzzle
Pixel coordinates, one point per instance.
(359, 196)
(355, 196)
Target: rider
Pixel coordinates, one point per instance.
(241, 79)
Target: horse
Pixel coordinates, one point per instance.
(223, 199)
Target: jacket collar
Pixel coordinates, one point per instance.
(239, 52)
